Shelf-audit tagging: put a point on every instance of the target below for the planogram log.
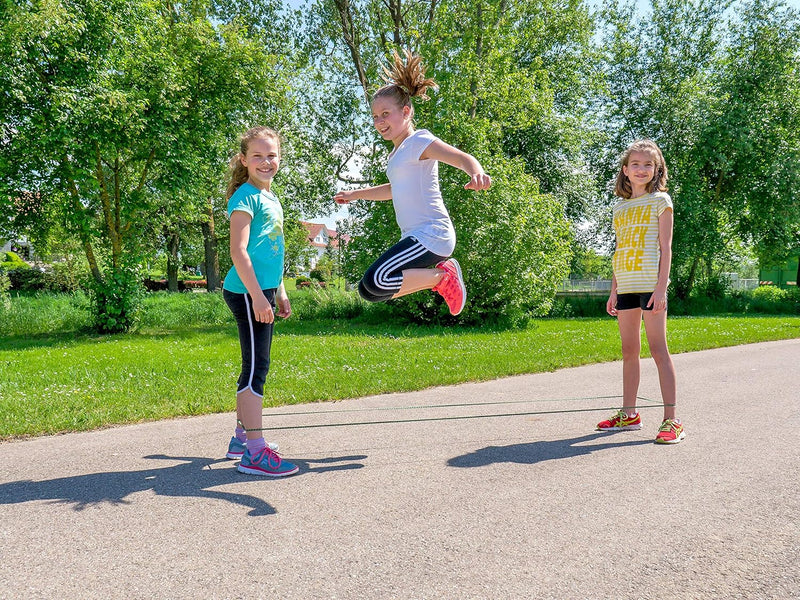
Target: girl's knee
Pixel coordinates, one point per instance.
(369, 292)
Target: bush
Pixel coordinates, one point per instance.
(26, 279)
(11, 260)
(116, 301)
(770, 299)
(513, 246)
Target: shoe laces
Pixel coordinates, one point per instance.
(668, 425)
(273, 458)
(620, 416)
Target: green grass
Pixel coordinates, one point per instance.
(52, 383)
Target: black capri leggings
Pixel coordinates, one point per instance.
(385, 276)
(255, 340)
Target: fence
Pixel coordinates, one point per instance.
(603, 286)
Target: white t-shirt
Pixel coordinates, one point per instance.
(418, 205)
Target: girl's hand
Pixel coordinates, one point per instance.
(344, 197)
(284, 307)
(611, 304)
(479, 181)
(262, 309)
(658, 300)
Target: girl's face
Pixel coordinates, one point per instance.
(262, 161)
(392, 121)
(640, 170)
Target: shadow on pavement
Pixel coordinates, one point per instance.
(191, 478)
(535, 452)
(328, 464)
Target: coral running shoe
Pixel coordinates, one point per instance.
(266, 463)
(620, 422)
(670, 432)
(452, 287)
(236, 448)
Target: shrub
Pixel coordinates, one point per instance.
(26, 279)
(11, 260)
(770, 299)
(115, 301)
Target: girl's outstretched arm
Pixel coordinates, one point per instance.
(454, 157)
(379, 192)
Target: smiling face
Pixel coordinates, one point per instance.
(262, 160)
(391, 120)
(640, 170)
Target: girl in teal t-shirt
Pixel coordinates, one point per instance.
(253, 289)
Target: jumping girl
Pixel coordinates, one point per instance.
(427, 234)
(252, 288)
(643, 221)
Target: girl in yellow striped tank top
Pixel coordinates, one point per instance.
(643, 220)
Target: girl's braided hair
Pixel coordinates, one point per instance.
(405, 80)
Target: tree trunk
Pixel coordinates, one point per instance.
(351, 38)
(692, 275)
(210, 247)
(173, 241)
(797, 276)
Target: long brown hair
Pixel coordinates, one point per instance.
(623, 188)
(405, 80)
(236, 170)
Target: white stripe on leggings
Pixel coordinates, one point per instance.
(391, 283)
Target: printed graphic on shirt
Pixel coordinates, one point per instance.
(637, 256)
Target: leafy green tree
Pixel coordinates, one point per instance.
(747, 160)
(514, 240)
(659, 85)
(115, 115)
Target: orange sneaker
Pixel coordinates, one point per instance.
(670, 432)
(620, 422)
(452, 287)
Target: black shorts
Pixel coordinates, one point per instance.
(629, 301)
(255, 340)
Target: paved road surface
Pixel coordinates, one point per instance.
(534, 505)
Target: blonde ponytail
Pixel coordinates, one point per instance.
(405, 80)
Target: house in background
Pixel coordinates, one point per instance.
(319, 236)
(21, 247)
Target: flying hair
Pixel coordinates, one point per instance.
(405, 80)
(622, 187)
(236, 170)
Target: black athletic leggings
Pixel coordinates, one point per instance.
(385, 276)
(255, 339)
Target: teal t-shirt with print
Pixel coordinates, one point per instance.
(265, 244)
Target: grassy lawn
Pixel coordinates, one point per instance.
(72, 382)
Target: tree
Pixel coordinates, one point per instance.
(748, 156)
(513, 238)
(116, 113)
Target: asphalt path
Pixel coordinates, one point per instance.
(500, 489)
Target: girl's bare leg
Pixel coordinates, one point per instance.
(655, 324)
(629, 322)
(415, 280)
(248, 411)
